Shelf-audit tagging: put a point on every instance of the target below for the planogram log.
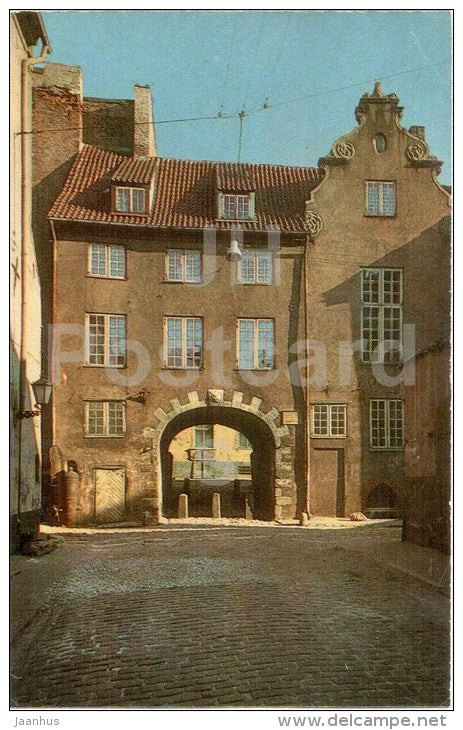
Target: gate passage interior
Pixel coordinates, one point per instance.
(251, 498)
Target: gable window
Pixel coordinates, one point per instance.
(381, 315)
(328, 420)
(106, 340)
(130, 200)
(381, 198)
(104, 418)
(256, 267)
(386, 423)
(183, 266)
(183, 342)
(107, 261)
(236, 207)
(256, 345)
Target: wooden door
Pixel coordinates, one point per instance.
(109, 494)
(327, 488)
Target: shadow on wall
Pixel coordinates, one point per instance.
(425, 261)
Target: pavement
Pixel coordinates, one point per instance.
(201, 614)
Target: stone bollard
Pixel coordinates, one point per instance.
(304, 519)
(183, 506)
(248, 505)
(216, 505)
(71, 485)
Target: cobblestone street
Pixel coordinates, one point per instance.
(230, 617)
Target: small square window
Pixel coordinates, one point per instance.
(256, 267)
(104, 418)
(236, 207)
(130, 200)
(183, 266)
(328, 420)
(107, 261)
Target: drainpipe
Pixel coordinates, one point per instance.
(26, 206)
(307, 373)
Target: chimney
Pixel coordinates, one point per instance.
(418, 132)
(57, 113)
(144, 136)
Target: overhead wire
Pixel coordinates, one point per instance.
(255, 110)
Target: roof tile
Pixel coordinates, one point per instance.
(185, 191)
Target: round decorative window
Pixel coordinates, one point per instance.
(380, 143)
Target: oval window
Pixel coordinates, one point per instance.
(380, 143)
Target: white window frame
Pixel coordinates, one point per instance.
(255, 322)
(105, 433)
(382, 184)
(184, 253)
(108, 250)
(106, 343)
(250, 197)
(329, 423)
(131, 208)
(184, 321)
(387, 424)
(383, 307)
(255, 256)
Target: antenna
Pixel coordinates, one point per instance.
(241, 116)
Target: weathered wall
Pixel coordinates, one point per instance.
(428, 450)
(25, 449)
(145, 298)
(227, 454)
(109, 123)
(350, 240)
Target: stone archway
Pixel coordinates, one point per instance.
(276, 489)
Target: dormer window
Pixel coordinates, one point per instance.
(235, 207)
(130, 200)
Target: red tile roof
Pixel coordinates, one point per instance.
(185, 191)
(135, 170)
(233, 176)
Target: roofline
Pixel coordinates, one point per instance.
(42, 34)
(144, 226)
(207, 162)
(100, 98)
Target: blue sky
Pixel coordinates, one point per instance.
(197, 61)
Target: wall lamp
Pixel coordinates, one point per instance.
(234, 253)
(42, 392)
(139, 397)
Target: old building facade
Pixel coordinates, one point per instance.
(27, 34)
(265, 300)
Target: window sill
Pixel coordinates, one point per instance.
(386, 448)
(130, 212)
(174, 367)
(254, 370)
(104, 367)
(387, 364)
(177, 281)
(237, 220)
(111, 278)
(380, 215)
(105, 436)
(329, 438)
(256, 283)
